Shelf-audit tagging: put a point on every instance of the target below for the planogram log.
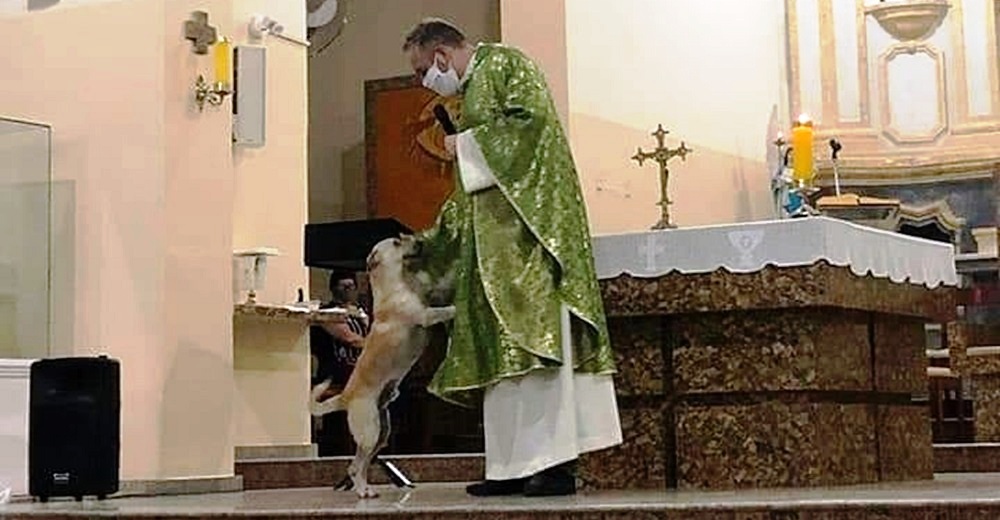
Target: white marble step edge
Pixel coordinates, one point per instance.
(15, 368)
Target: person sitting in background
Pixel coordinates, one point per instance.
(336, 347)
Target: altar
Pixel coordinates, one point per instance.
(770, 354)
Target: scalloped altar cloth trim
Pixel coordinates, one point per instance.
(750, 247)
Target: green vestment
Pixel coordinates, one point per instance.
(520, 249)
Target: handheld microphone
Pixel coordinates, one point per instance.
(441, 114)
(835, 147)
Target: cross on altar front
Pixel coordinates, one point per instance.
(199, 32)
(650, 250)
(662, 154)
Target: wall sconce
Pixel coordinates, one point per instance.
(215, 93)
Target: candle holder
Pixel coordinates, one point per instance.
(211, 93)
(803, 168)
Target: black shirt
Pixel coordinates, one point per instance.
(336, 359)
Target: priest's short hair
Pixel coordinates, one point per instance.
(431, 32)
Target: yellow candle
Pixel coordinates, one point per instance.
(802, 149)
(223, 61)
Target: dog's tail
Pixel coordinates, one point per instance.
(319, 408)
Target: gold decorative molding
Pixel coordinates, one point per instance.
(832, 81)
(830, 116)
(966, 123)
(983, 127)
(938, 211)
(886, 172)
(889, 129)
(863, 67)
(960, 97)
(828, 64)
(794, 76)
(992, 44)
(909, 20)
(876, 151)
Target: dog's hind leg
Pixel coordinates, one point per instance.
(389, 394)
(385, 428)
(363, 420)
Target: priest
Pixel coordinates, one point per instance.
(530, 337)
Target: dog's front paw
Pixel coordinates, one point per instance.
(448, 312)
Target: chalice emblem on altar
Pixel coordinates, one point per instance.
(745, 242)
(662, 155)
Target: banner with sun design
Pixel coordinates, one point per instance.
(408, 173)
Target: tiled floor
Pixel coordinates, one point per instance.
(948, 496)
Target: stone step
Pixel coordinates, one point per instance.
(327, 471)
(977, 457)
(324, 472)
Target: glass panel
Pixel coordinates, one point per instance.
(25, 260)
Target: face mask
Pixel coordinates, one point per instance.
(444, 83)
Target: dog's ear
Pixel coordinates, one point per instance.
(372, 261)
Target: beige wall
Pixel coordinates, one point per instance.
(271, 359)
(148, 187)
(271, 188)
(539, 29)
(368, 48)
(196, 356)
(120, 226)
(633, 64)
(710, 72)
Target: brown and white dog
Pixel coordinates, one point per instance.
(395, 342)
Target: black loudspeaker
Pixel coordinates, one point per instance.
(74, 427)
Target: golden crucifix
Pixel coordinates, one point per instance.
(662, 155)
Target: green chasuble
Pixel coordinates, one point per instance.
(520, 250)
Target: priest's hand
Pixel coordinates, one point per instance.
(449, 145)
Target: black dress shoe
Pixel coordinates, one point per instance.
(496, 488)
(555, 481)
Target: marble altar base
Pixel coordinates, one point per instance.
(784, 377)
(981, 365)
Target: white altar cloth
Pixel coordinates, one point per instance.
(749, 247)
